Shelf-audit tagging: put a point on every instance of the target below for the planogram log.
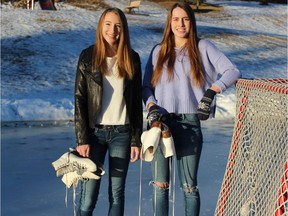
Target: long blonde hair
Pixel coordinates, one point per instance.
(167, 51)
(124, 51)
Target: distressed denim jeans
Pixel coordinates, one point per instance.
(187, 135)
(116, 141)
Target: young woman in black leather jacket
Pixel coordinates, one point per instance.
(108, 109)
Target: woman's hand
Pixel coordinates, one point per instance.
(149, 105)
(155, 114)
(203, 110)
(83, 150)
(135, 154)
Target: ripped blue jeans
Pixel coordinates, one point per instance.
(116, 141)
(187, 135)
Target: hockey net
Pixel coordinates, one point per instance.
(256, 177)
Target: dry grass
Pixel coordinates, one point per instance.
(93, 5)
(203, 7)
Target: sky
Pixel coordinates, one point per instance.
(39, 54)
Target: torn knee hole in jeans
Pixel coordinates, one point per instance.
(161, 185)
(190, 189)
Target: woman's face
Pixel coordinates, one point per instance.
(111, 28)
(180, 23)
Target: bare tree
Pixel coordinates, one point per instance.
(264, 2)
(197, 4)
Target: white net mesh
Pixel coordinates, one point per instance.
(256, 177)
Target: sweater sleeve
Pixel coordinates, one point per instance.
(148, 89)
(229, 73)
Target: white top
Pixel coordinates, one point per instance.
(113, 110)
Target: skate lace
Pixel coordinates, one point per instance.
(70, 166)
(75, 181)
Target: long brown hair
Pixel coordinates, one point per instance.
(167, 51)
(124, 53)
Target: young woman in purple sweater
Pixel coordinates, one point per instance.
(182, 76)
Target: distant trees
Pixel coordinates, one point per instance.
(196, 2)
(264, 2)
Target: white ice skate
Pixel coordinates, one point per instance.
(150, 140)
(70, 162)
(166, 142)
(73, 177)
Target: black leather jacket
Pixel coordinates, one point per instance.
(88, 98)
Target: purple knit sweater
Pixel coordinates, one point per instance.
(179, 95)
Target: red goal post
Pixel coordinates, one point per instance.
(256, 177)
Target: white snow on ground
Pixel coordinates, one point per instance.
(39, 53)
(40, 49)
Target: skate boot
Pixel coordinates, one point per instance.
(150, 140)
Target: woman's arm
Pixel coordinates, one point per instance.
(80, 104)
(148, 89)
(222, 65)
